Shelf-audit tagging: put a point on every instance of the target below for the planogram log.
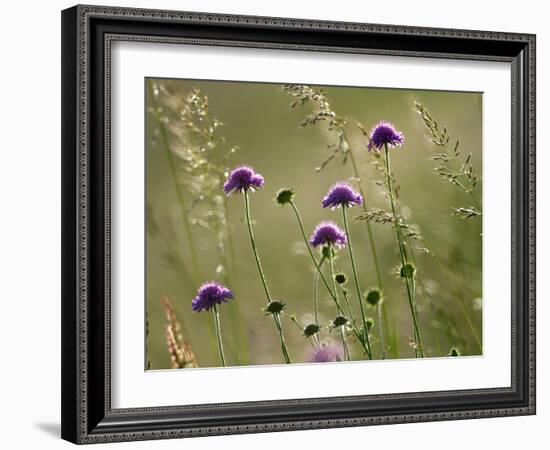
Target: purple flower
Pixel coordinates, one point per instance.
(341, 194)
(242, 179)
(326, 353)
(384, 134)
(328, 233)
(209, 295)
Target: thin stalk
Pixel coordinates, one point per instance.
(315, 291)
(300, 327)
(219, 334)
(346, 300)
(229, 237)
(369, 229)
(239, 349)
(331, 264)
(173, 172)
(279, 324)
(427, 305)
(402, 253)
(415, 329)
(383, 324)
(235, 313)
(344, 343)
(319, 271)
(380, 319)
(356, 281)
(262, 278)
(304, 236)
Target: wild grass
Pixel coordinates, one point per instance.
(360, 302)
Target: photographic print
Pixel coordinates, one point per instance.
(298, 224)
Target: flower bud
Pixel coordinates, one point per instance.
(454, 352)
(374, 296)
(311, 329)
(274, 307)
(340, 278)
(407, 271)
(339, 321)
(284, 196)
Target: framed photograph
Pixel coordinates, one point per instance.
(280, 224)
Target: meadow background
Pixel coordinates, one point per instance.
(264, 132)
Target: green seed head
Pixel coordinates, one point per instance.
(374, 296)
(340, 278)
(339, 321)
(311, 329)
(407, 271)
(454, 352)
(274, 307)
(284, 196)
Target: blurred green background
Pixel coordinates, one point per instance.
(257, 118)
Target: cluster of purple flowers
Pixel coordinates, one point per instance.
(326, 353)
(244, 179)
(209, 295)
(340, 195)
(328, 233)
(384, 133)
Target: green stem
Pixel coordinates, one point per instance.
(383, 324)
(380, 320)
(229, 237)
(304, 236)
(369, 229)
(279, 326)
(346, 301)
(315, 291)
(173, 172)
(344, 343)
(219, 334)
(262, 277)
(332, 292)
(240, 346)
(356, 281)
(418, 340)
(339, 309)
(428, 305)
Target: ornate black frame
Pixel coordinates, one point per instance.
(87, 32)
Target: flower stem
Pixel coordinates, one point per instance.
(317, 266)
(410, 290)
(428, 306)
(380, 321)
(330, 290)
(346, 300)
(315, 291)
(345, 343)
(382, 324)
(331, 261)
(369, 229)
(262, 277)
(356, 281)
(219, 334)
